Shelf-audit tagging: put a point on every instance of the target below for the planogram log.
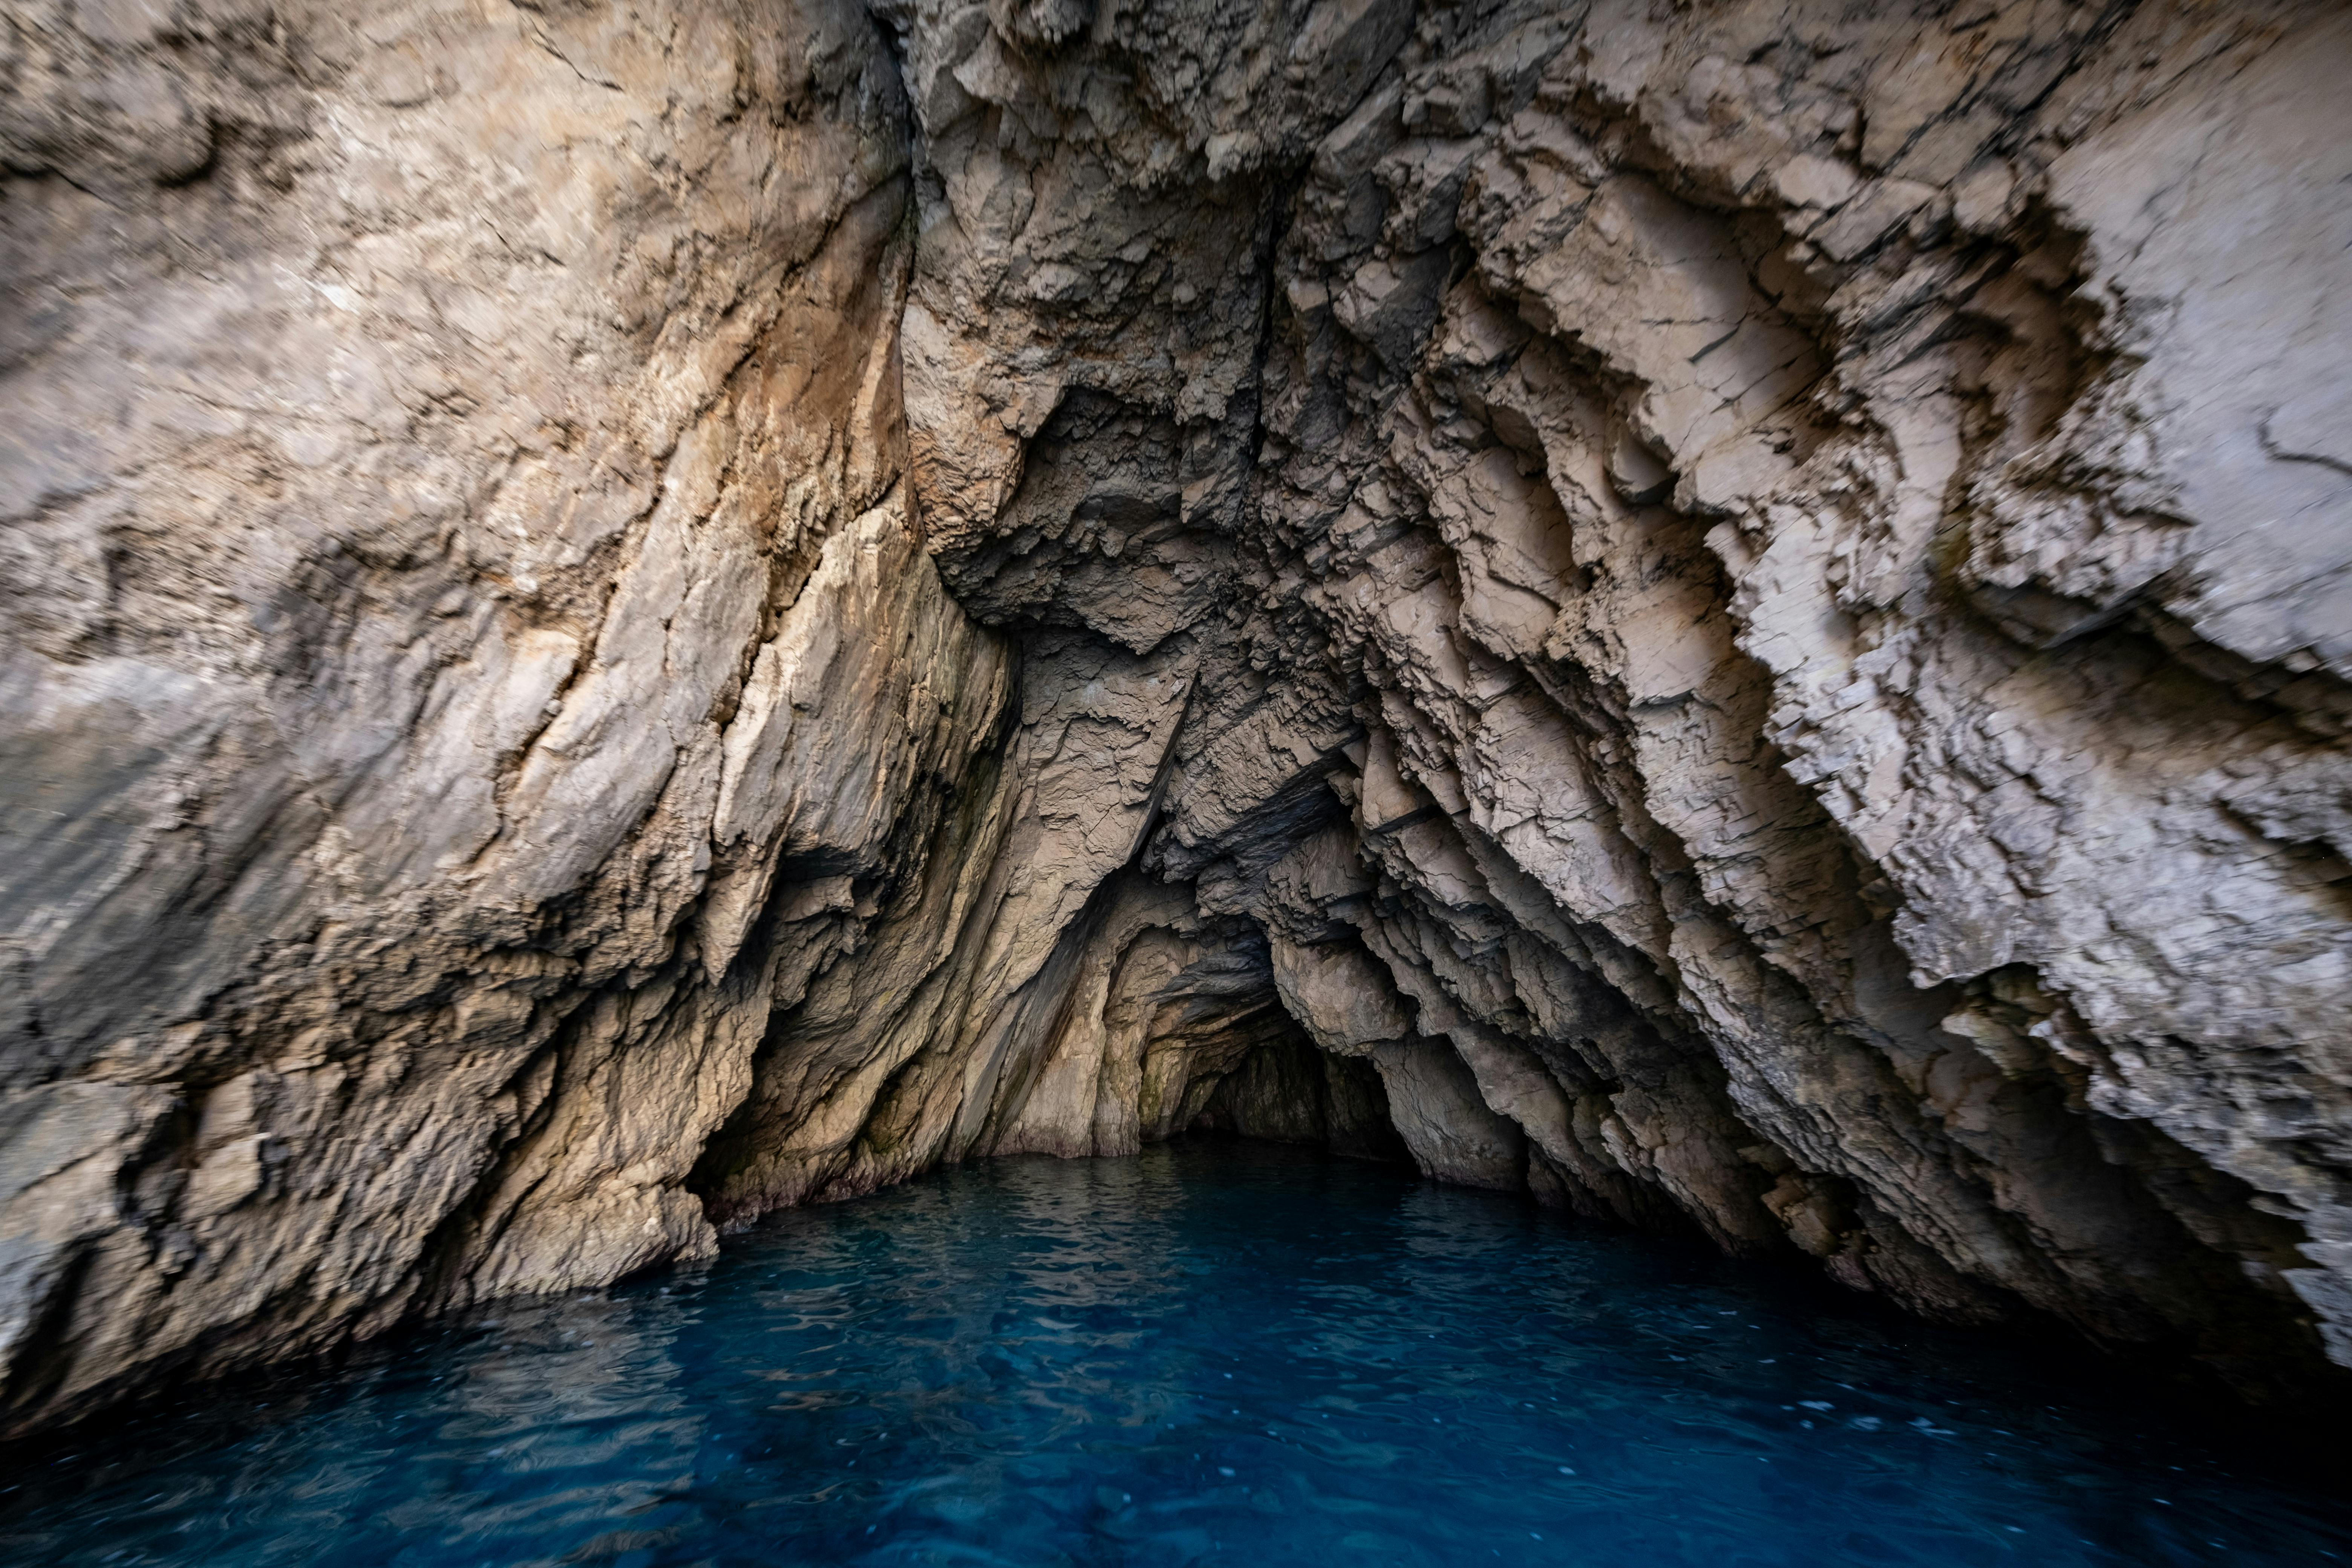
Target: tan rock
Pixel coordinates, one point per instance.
(616, 616)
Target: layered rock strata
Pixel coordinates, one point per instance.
(619, 615)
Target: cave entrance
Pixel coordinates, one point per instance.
(1287, 1091)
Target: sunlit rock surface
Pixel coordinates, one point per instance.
(621, 616)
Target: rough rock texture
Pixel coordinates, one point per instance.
(618, 615)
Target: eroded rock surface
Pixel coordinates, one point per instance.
(622, 615)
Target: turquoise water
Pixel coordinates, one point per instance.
(1219, 1352)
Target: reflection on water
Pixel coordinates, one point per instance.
(1212, 1353)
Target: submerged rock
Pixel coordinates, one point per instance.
(618, 617)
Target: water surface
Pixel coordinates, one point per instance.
(1216, 1352)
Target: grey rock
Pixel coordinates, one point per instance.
(621, 616)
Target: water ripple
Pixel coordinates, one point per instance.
(1207, 1354)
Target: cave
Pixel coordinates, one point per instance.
(1721, 627)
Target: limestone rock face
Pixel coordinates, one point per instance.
(446, 454)
(620, 614)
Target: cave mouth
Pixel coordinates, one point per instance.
(1287, 1092)
(1220, 1348)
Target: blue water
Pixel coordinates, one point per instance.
(1219, 1352)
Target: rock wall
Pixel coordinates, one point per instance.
(622, 613)
(442, 447)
